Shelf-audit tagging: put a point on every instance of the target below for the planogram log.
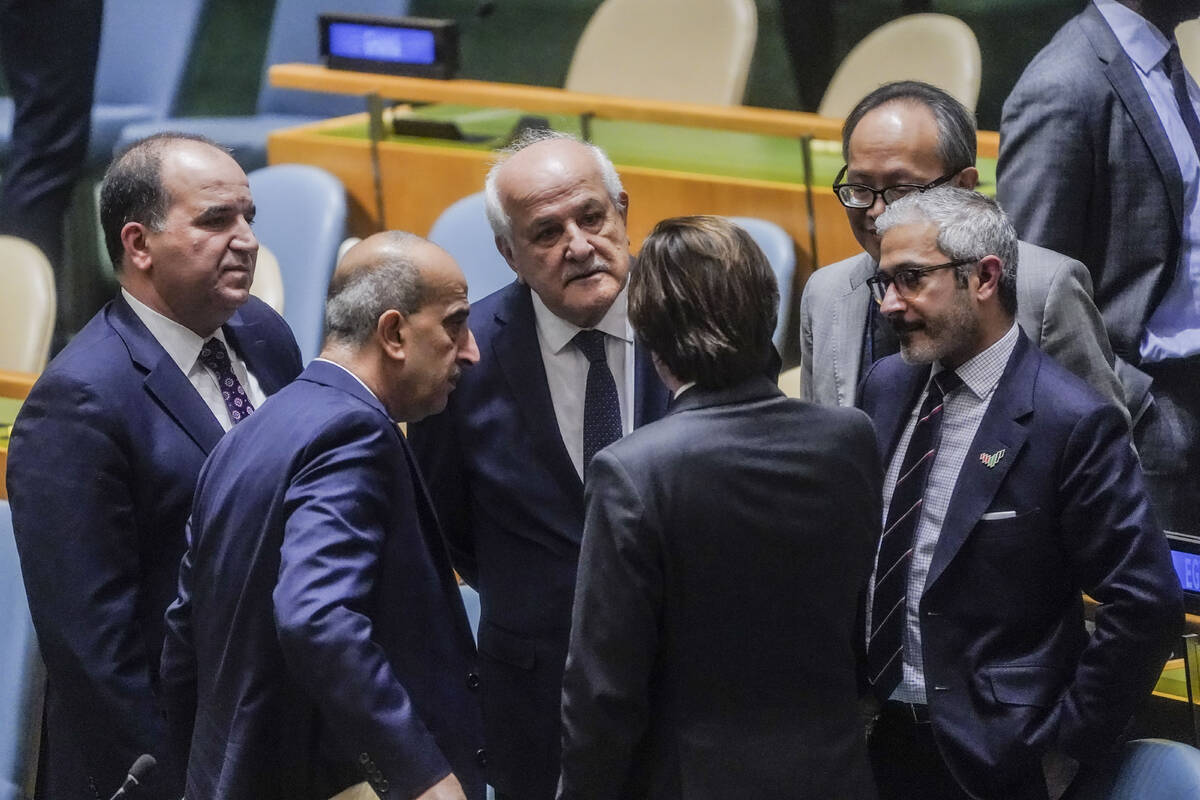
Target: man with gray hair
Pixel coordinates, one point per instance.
(1010, 490)
(319, 644)
(560, 378)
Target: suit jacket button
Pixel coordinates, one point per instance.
(382, 786)
(481, 757)
(363, 758)
(472, 681)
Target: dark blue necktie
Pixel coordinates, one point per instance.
(1173, 64)
(214, 356)
(888, 604)
(601, 409)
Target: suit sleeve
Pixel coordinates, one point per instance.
(1073, 333)
(78, 541)
(338, 513)
(1121, 559)
(806, 347)
(177, 675)
(1044, 175)
(614, 637)
(438, 452)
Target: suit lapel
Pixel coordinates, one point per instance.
(1002, 428)
(516, 349)
(164, 380)
(850, 311)
(1122, 74)
(249, 339)
(650, 395)
(891, 417)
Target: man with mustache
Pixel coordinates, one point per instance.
(105, 452)
(319, 640)
(559, 378)
(1010, 490)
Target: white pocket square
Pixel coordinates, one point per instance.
(993, 515)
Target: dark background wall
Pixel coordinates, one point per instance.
(530, 41)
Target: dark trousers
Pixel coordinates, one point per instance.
(1168, 443)
(48, 49)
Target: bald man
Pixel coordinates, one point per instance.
(319, 639)
(560, 377)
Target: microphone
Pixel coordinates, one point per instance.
(142, 767)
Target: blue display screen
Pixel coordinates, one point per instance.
(1187, 567)
(381, 43)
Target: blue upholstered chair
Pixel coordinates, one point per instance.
(22, 677)
(780, 250)
(144, 49)
(293, 39)
(302, 219)
(1150, 769)
(462, 230)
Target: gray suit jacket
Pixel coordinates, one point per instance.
(1086, 169)
(1054, 308)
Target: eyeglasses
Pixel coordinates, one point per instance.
(907, 280)
(859, 195)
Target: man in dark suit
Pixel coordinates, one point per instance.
(319, 639)
(904, 137)
(105, 452)
(560, 377)
(1099, 160)
(724, 551)
(1011, 488)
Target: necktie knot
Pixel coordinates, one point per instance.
(214, 355)
(945, 382)
(591, 344)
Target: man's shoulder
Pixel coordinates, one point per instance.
(840, 276)
(1068, 61)
(97, 356)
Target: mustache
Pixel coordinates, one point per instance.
(594, 266)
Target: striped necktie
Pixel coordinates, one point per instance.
(1173, 64)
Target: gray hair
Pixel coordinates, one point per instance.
(498, 218)
(955, 122)
(358, 297)
(970, 226)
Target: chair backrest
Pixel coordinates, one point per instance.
(293, 39)
(22, 676)
(27, 306)
(268, 280)
(462, 230)
(780, 250)
(695, 51)
(144, 50)
(1188, 36)
(934, 48)
(1151, 769)
(302, 219)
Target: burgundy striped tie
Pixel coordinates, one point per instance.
(888, 606)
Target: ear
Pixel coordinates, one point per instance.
(989, 270)
(135, 240)
(391, 331)
(968, 178)
(505, 248)
(623, 207)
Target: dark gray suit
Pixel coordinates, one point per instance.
(1054, 308)
(712, 651)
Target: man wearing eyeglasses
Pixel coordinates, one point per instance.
(1010, 490)
(910, 137)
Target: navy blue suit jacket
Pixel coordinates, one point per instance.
(102, 464)
(511, 504)
(1010, 671)
(319, 638)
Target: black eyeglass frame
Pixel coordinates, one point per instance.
(909, 278)
(912, 188)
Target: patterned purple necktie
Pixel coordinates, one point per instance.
(214, 356)
(601, 408)
(888, 606)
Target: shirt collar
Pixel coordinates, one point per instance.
(1139, 38)
(181, 342)
(558, 333)
(981, 373)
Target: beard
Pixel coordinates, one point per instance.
(936, 337)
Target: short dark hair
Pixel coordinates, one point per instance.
(358, 297)
(703, 298)
(956, 146)
(132, 189)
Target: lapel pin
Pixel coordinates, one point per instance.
(990, 460)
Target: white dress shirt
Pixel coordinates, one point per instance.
(962, 412)
(183, 346)
(567, 368)
(1173, 329)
